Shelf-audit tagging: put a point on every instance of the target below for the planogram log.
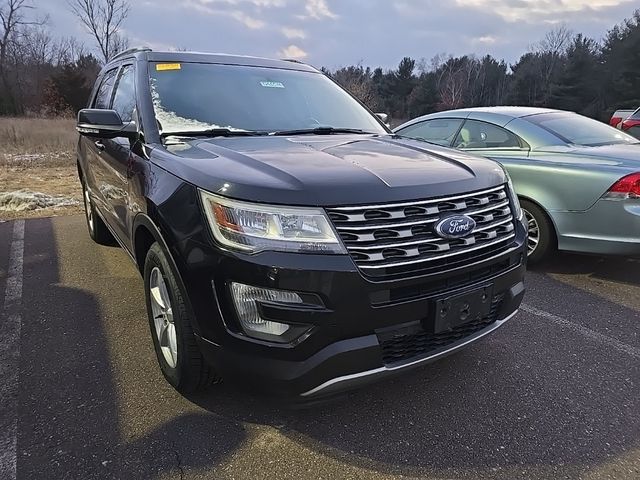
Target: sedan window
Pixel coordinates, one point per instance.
(575, 129)
(440, 131)
(476, 134)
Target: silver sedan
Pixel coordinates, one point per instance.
(578, 179)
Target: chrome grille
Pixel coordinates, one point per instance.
(395, 238)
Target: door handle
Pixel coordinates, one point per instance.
(99, 145)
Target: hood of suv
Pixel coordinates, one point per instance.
(327, 170)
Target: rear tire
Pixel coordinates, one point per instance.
(175, 345)
(98, 231)
(542, 237)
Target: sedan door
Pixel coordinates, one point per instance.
(490, 140)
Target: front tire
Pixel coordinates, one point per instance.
(175, 344)
(542, 238)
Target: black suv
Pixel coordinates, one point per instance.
(287, 239)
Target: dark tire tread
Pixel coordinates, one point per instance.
(192, 373)
(100, 233)
(548, 241)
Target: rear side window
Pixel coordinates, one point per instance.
(440, 131)
(124, 100)
(476, 134)
(635, 115)
(103, 96)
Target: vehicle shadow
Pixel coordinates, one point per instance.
(611, 268)
(69, 407)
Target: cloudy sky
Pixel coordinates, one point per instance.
(335, 33)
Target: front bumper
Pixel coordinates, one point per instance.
(354, 316)
(609, 227)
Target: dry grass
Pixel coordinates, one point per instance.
(38, 155)
(37, 135)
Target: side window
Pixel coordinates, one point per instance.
(103, 96)
(440, 130)
(124, 100)
(476, 134)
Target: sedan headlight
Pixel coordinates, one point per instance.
(517, 210)
(253, 227)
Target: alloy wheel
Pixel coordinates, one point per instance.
(163, 317)
(534, 233)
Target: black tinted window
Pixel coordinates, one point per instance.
(104, 92)
(195, 96)
(578, 130)
(124, 100)
(440, 131)
(475, 134)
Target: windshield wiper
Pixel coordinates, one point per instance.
(321, 131)
(212, 132)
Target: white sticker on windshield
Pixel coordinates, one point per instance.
(272, 84)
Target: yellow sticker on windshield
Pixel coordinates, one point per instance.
(167, 66)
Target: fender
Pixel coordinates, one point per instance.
(144, 220)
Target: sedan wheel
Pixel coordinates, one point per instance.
(542, 236)
(534, 233)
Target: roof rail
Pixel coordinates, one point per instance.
(292, 60)
(130, 51)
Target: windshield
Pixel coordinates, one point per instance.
(579, 130)
(201, 96)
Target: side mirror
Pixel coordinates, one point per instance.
(384, 118)
(95, 122)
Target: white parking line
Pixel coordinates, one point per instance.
(584, 331)
(10, 325)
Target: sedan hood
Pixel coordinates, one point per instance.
(328, 170)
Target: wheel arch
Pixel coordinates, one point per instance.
(546, 213)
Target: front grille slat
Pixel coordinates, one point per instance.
(400, 238)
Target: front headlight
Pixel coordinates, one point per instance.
(253, 227)
(517, 210)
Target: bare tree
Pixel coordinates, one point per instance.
(103, 19)
(556, 41)
(12, 20)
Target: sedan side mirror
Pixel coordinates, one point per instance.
(95, 122)
(384, 118)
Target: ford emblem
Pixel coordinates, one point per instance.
(455, 226)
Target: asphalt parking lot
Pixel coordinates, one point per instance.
(553, 394)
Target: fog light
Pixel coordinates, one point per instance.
(246, 298)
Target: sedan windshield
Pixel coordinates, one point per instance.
(578, 130)
(200, 96)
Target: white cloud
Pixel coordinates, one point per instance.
(318, 9)
(293, 32)
(204, 6)
(536, 10)
(486, 39)
(249, 22)
(293, 52)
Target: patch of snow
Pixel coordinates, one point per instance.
(23, 200)
(30, 158)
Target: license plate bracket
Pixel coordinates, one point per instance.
(456, 310)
